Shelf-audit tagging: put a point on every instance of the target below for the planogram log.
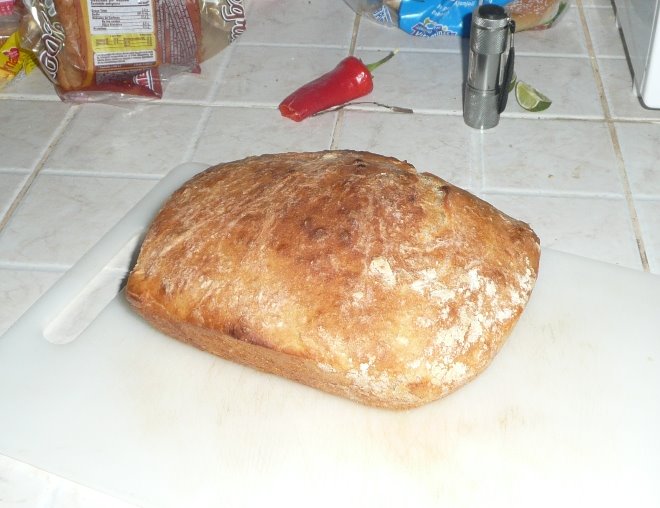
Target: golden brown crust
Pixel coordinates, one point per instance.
(346, 271)
(532, 14)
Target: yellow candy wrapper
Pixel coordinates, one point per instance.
(14, 59)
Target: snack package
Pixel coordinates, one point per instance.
(105, 50)
(14, 60)
(432, 18)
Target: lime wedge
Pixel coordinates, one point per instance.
(512, 83)
(530, 98)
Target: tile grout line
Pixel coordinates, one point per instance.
(411, 49)
(424, 111)
(197, 134)
(54, 139)
(614, 138)
(427, 112)
(419, 111)
(213, 90)
(207, 105)
(14, 171)
(290, 45)
(7, 96)
(109, 175)
(339, 121)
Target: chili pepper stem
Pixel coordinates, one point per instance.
(380, 62)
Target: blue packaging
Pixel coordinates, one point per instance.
(432, 18)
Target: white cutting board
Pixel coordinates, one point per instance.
(568, 413)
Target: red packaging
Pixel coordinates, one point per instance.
(100, 49)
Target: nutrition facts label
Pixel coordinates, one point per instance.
(122, 32)
(120, 16)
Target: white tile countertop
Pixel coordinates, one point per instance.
(584, 174)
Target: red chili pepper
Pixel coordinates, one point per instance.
(350, 80)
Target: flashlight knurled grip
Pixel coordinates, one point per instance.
(489, 66)
(487, 41)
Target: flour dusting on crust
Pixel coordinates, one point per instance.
(347, 271)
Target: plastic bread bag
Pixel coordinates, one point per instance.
(106, 50)
(432, 18)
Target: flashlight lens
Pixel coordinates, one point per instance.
(492, 12)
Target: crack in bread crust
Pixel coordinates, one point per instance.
(373, 281)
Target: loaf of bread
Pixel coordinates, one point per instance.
(346, 271)
(172, 37)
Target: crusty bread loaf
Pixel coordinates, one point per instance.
(347, 271)
(176, 40)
